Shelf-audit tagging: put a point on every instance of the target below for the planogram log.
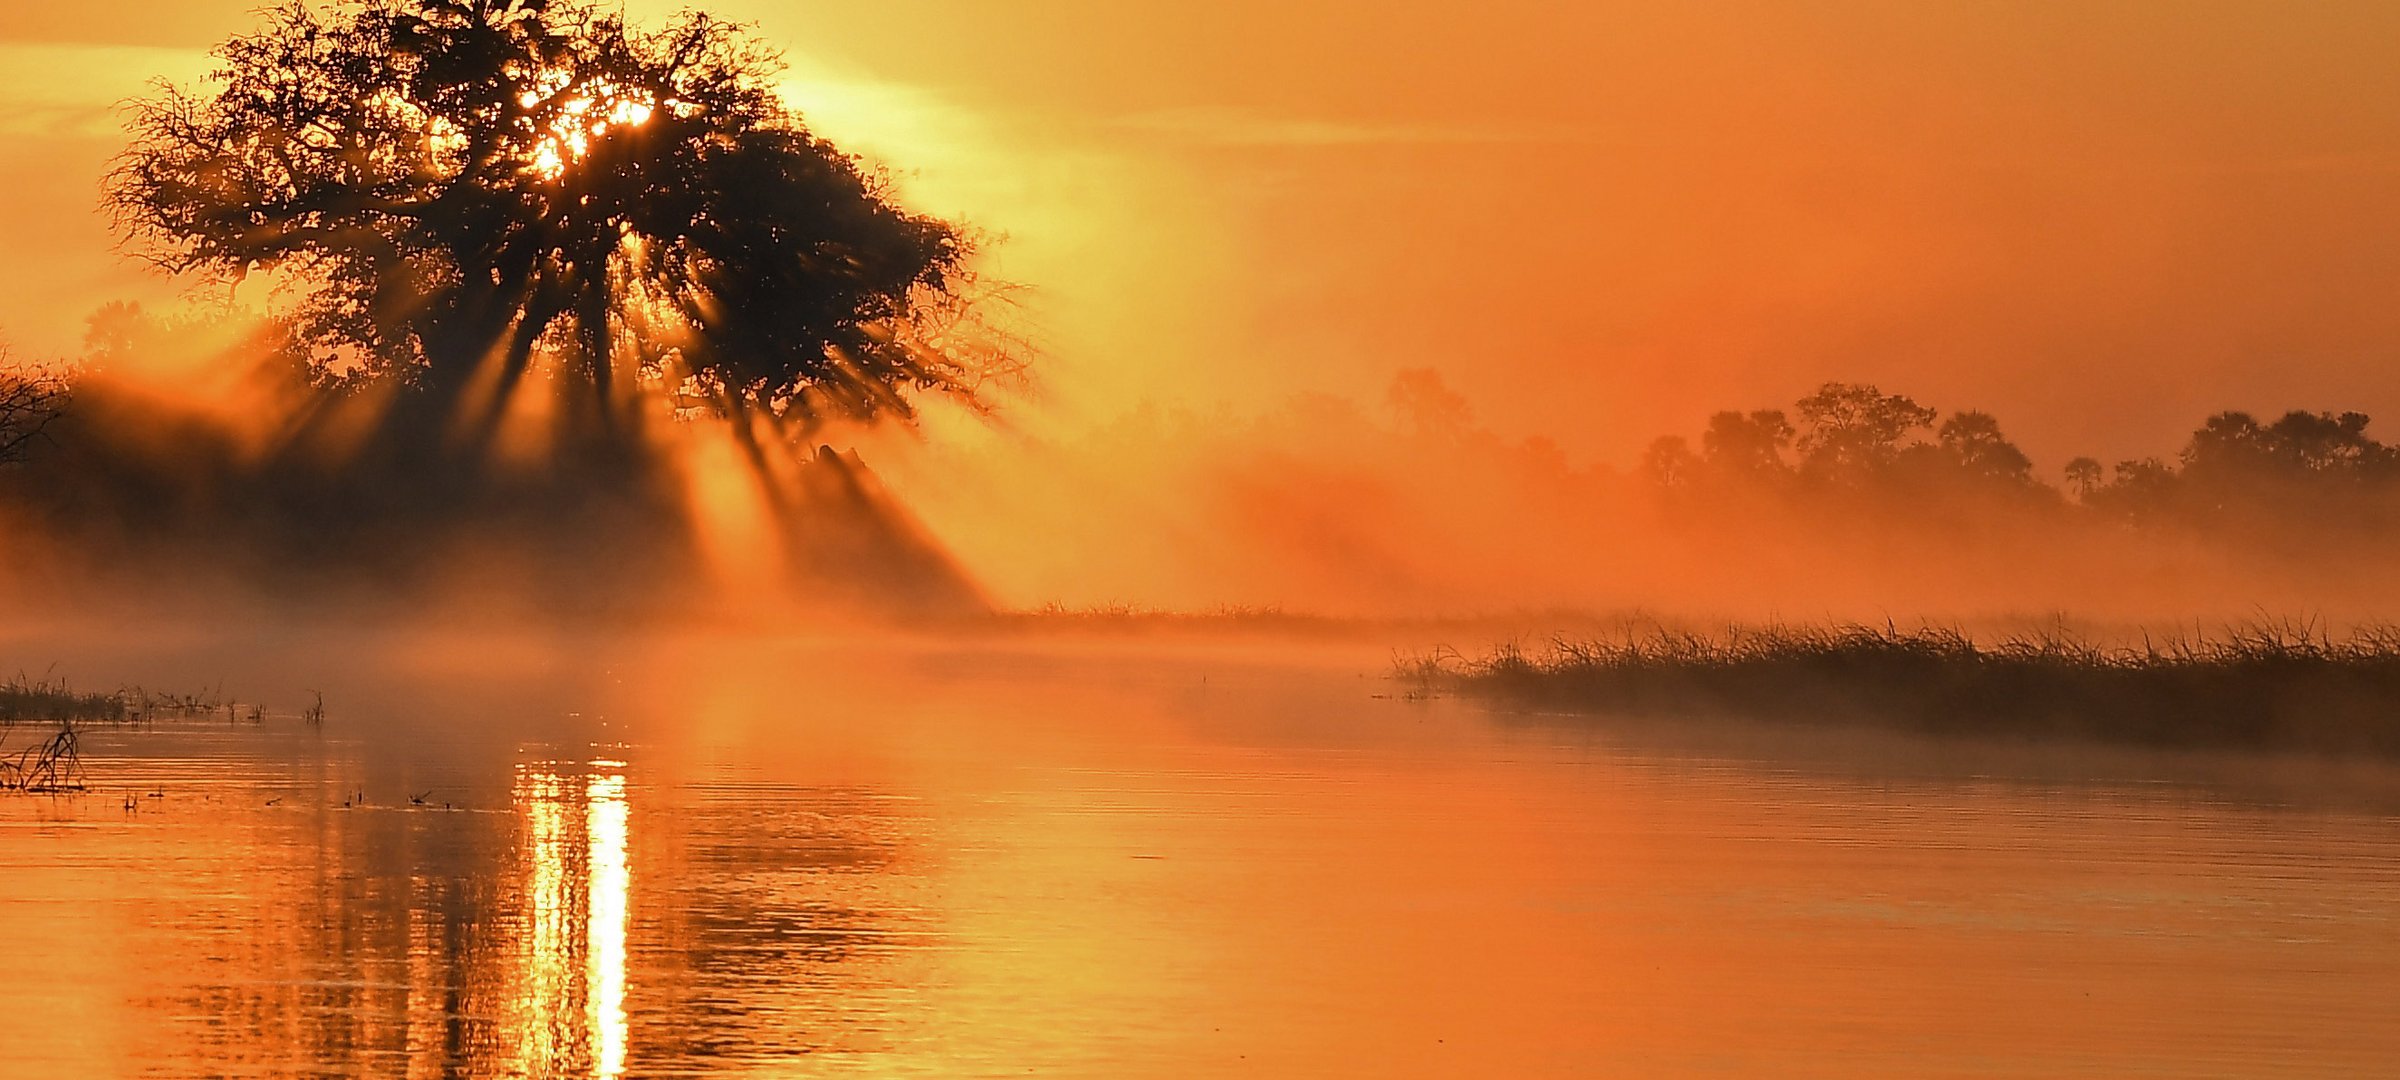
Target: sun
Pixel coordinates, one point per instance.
(574, 122)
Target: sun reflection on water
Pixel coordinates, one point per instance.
(570, 1012)
(606, 816)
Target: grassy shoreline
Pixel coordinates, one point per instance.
(2281, 686)
(26, 700)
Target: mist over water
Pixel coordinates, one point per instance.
(662, 853)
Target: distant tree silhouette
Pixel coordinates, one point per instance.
(2287, 487)
(30, 400)
(1852, 434)
(1853, 430)
(2227, 446)
(1749, 444)
(2140, 488)
(2083, 475)
(1669, 461)
(466, 188)
(2328, 442)
(2234, 445)
(1427, 404)
(1973, 443)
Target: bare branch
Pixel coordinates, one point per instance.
(31, 399)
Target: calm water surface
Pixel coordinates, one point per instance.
(798, 858)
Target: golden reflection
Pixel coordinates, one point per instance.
(570, 1007)
(544, 946)
(605, 818)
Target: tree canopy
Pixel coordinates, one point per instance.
(1852, 428)
(1973, 441)
(1751, 444)
(469, 186)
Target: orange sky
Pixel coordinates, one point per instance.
(1599, 221)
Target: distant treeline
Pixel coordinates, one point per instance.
(1855, 438)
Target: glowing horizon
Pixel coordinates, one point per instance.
(1640, 217)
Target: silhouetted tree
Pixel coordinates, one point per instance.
(1853, 430)
(1428, 405)
(2141, 488)
(30, 400)
(1749, 444)
(1669, 461)
(1863, 457)
(472, 186)
(1973, 443)
(2083, 474)
(2226, 446)
(2234, 463)
(2306, 486)
(2326, 442)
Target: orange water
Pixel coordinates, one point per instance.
(796, 858)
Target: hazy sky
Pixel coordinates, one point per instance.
(2097, 219)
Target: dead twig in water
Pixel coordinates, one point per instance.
(53, 765)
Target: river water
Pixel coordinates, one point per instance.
(740, 856)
